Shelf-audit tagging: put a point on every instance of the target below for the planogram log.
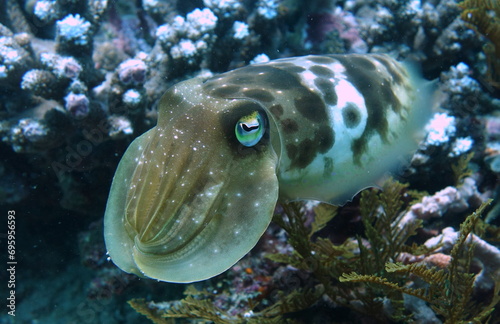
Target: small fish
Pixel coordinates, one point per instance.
(194, 194)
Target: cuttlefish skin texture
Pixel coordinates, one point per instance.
(194, 194)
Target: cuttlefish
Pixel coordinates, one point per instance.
(194, 194)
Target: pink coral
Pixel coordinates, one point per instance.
(487, 255)
(449, 199)
(132, 71)
(77, 105)
(321, 24)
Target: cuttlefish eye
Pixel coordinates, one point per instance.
(249, 129)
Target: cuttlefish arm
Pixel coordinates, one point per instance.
(195, 193)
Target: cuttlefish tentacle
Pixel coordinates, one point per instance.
(195, 193)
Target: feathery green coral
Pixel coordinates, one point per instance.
(199, 305)
(142, 307)
(364, 275)
(384, 240)
(461, 168)
(449, 290)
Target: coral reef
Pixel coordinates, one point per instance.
(478, 14)
(449, 199)
(79, 80)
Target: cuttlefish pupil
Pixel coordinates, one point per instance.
(249, 129)
(194, 194)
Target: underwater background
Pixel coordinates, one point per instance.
(80, 80)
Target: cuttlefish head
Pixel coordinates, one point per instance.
(194, 194)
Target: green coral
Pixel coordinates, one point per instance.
(461, 169)
(490, 232)
(449, 290)
(364, 274)
(200, 305)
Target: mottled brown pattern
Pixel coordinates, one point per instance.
(379, 97)
(361, 63)
(310, 105)
(325, 138)
(289, 67)
(399, 76)
(351, 115)
(321, 71)
(328, 167)
(259, 94)
(302, 154)
(289, 126)
(321, 59)
(277, 86)
(276, 110)
(328, 90)
(225, 91)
